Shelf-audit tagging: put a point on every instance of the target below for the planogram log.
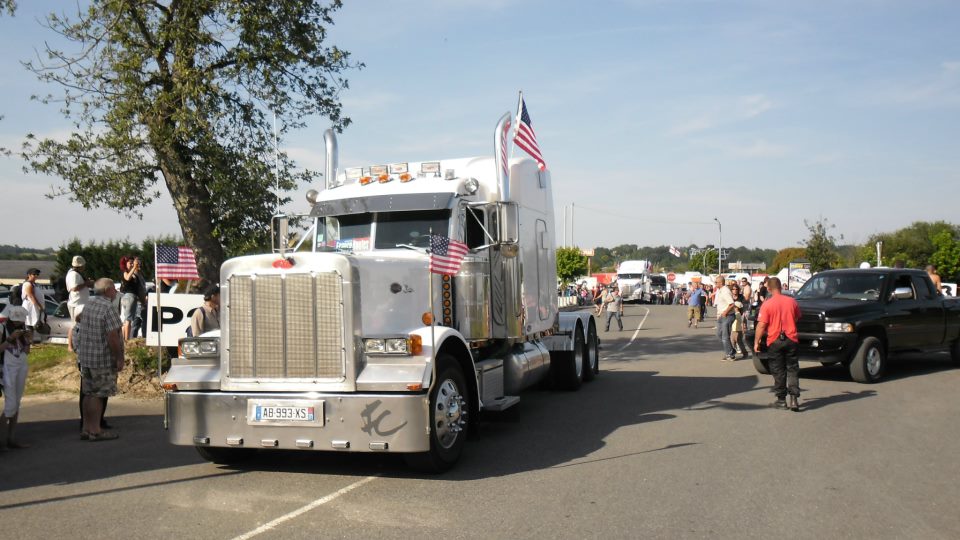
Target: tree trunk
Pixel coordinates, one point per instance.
(192, 202)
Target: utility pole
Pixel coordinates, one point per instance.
(719, 248)
(573, 242)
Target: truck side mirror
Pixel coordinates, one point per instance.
(279, 233)
(902, 293)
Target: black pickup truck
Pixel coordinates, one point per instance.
(859, 317)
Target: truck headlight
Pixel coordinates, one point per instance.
(409, 345)
(200, 347)
(838, 328)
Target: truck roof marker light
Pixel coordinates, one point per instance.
(430, 167)
(427, 318)
(364, 180)
(406, 177)
(384, 178)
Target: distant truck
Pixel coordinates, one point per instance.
(351, 345)
(858, 318)
(631, 279)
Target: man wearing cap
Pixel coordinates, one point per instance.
(78, 287)
(32, 299)
(15, 342)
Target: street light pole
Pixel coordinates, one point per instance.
(719, 248)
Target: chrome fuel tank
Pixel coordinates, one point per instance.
(472, 287)
(525, 365)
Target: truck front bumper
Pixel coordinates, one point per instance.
(827, 347)
(350, 422)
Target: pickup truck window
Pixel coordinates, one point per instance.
(924, 288)
(864, 287)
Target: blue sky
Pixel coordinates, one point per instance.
(654, 116)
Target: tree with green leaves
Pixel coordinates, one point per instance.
(913, 246)
(184, 93)
(821, 245)
(785, 256)
(570, 263)
(946, 255)
(704, 262)
(8, 6)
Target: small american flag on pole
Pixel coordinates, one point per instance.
(674, 251)
(446, 255)
(525, 138)
(176, 263)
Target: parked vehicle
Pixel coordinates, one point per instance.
(858, 318)
(353, 346)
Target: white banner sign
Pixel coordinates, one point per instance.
(177, 310)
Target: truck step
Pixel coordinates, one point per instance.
(501, 403)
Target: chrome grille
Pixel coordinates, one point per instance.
(285, 326)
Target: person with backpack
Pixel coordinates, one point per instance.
(207, 316)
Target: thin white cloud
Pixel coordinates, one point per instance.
(354, 102)
(722, 112)
(940, 89)
(760, 148)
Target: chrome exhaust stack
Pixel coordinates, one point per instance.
(330, 171)
(500, 156)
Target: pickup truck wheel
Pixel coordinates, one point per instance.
(760, 365)
(869, 362)
(224, 456)
(591, 360)
(449, 419)
(567, 367)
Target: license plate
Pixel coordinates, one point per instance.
(285, 412)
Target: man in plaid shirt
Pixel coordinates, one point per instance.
(100, 352)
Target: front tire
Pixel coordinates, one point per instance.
(449, 419)
(225, 456)
(870, 361)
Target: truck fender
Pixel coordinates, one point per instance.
(452, 342)
(563, 339)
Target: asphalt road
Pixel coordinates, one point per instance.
(667, 442)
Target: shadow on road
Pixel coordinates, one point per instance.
(549, 430)
(57, 456)
(898, 367)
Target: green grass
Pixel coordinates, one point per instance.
(47, 356)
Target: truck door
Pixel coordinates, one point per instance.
(929, 313)
(904, 316)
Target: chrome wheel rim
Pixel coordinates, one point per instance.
(449, 415)
(874, 361)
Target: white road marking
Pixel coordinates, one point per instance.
(317, 503)
(637, 332)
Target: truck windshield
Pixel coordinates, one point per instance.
(629, 276)
(862, 287)
(348, 233)
(410, 228)
(354, 232)
(659, 281)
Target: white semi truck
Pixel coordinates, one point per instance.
(631, 279)
(352, 345)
